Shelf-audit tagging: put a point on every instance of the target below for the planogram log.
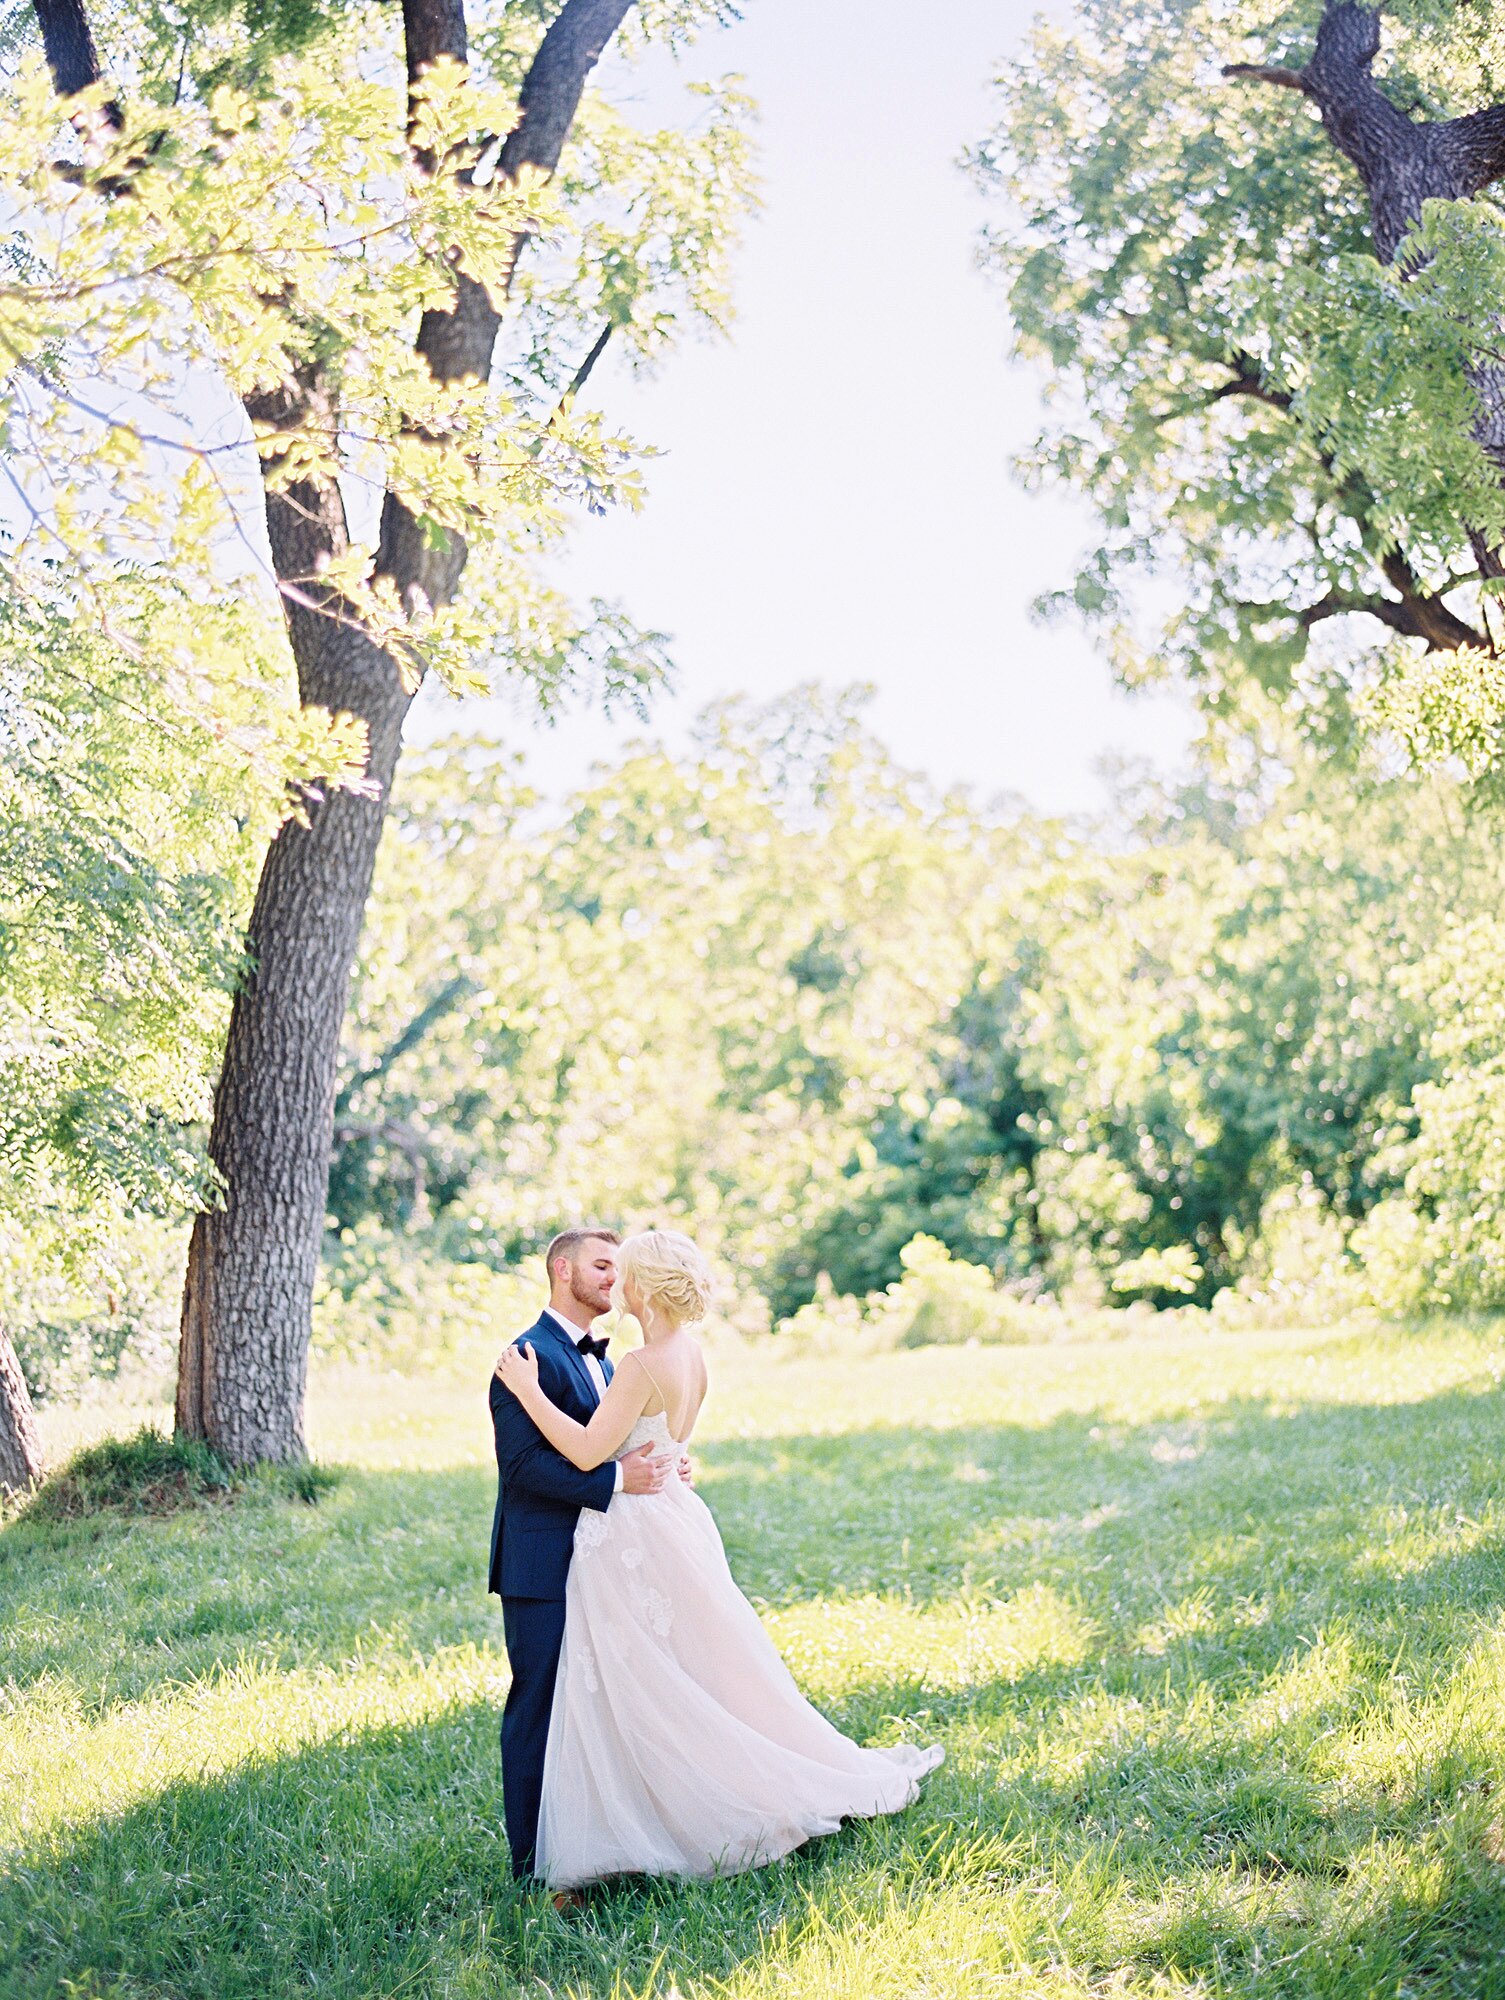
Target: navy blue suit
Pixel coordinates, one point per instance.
(539, 1497)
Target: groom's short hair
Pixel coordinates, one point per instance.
(568, 1241)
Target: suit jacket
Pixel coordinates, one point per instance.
(539, 1493)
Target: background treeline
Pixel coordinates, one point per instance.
(782, 991)
(1238, 1042)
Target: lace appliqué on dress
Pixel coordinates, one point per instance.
(590, 1530)
(728, 1766)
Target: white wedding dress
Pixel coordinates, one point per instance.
(679, 1743)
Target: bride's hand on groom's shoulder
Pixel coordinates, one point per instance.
(517, 1369)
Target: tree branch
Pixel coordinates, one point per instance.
(1417, 612)
(432, 1011)
(1479, 142)
(458, 342)
(306, 524)
(1337, 603)
(1283, 79)
(1404, 162)
(581, 375)
(1248, 380)
(1425, 615)
(71, 54)
(431, 30)
(550, 95)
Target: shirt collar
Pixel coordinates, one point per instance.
(571, 1332)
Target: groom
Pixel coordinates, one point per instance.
(539, 1498)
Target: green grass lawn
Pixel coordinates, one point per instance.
(1213, 1629)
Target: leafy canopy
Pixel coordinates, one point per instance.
(780, 990)
(1274, 429)
(274, 214)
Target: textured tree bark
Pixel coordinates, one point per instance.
(252, 1262)
(1403, 162)
(20, 1446)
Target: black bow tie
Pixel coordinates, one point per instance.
(588, 1344)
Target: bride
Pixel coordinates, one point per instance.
(678, 1742)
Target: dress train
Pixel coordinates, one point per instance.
(679, 1743)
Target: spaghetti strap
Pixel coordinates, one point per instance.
(663, 1399)
(643, 1362)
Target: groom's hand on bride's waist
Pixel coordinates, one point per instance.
(643, 1473)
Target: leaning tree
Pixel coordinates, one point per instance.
(1260, 253)
(295, 236)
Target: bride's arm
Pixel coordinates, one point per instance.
(585, 1445)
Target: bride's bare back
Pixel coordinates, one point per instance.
(675, 1366)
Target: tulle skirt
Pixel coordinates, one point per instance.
(679, 1743)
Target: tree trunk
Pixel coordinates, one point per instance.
(1404, 163)
(20, 1446)
(248, 1295)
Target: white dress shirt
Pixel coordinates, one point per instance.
(593, 1367)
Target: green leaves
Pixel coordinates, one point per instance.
(219, 298)
(286, 226)
(128, 838)
(781, 992)
(1276, 433)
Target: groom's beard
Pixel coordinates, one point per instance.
(593, 1301)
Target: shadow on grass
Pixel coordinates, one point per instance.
(1382, 1489)
(370, 1863)
(1252, 1585)
(1223, 1539)
(373, 1863)
(108, 1607)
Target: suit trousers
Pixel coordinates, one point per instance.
(534, 1631)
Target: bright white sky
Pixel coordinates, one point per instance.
(834, 501)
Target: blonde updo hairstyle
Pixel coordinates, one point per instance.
(668, 1273)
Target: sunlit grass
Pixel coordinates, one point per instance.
(1213, 1629)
